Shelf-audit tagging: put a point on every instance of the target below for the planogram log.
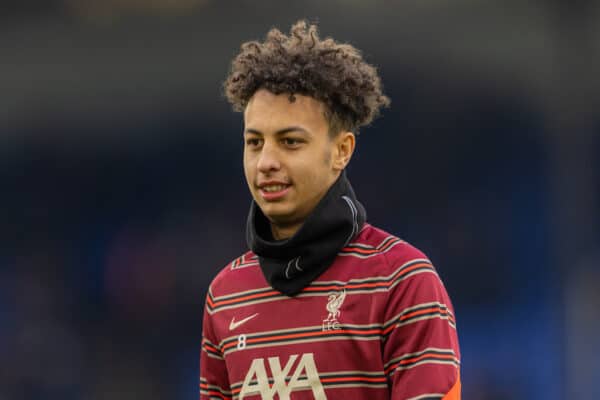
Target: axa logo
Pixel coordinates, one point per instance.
(304, 377)
(333, 307)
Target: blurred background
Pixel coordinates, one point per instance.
(122, 192)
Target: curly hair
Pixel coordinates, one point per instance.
(301, 63)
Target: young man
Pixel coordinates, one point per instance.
(324, 305)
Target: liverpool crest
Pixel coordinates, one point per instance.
(334, 303)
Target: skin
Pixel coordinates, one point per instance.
(289, 142)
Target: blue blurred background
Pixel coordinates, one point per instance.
(123, 193)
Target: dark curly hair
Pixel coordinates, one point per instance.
(301, 63)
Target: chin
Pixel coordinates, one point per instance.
(276, 215)
(279, 213)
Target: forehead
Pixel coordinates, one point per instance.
(269, 110)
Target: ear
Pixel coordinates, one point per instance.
(344, 144)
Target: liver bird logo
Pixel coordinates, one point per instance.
(334, 304)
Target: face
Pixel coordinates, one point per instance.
(290, 160)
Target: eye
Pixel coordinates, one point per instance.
(291, 142)
(252, 142)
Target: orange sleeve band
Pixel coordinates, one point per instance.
(454, 393)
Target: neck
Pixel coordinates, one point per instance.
(311, 244)
(284, 232)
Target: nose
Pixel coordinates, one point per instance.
(268, 160)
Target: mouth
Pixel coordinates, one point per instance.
(273, 191)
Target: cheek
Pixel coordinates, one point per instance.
(314, 176)
(248, 170)
(327, 157)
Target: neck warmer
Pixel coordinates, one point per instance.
(291, 264)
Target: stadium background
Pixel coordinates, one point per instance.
(123, 194)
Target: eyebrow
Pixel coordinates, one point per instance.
(280, 131)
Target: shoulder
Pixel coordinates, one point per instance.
(374, 242)
(410, 274)
(397, 261)
(242, 273)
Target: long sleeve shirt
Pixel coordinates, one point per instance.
(377, 324)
